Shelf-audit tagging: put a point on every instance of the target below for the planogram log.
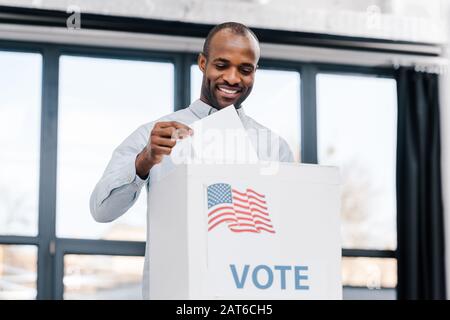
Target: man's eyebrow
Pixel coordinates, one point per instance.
(248, 65)
(245, 64)
(221, 60)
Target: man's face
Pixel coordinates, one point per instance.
(229, 70)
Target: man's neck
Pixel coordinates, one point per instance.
(203, 99)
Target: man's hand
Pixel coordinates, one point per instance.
(162, 139)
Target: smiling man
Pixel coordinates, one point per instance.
(228, 62)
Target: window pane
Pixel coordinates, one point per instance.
(20, 110)
(18, 265)
(371, 273)
(102, 277)
(274, 102)
(357, 132)
(102, 101)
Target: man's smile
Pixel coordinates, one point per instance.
(229, 92)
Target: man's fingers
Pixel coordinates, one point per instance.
(164, 124)
(167, 132)
(174, 124)
(179, 125)
(171, 132)
(181, 133)
(165, 142)
(160, 150)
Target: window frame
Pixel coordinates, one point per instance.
(379, 72)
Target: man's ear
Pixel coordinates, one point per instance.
(201, 61)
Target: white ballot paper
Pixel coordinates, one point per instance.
(219, 138)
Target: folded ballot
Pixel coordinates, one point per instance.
(219, 138)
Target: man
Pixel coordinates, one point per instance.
(228, 63)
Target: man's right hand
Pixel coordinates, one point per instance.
(162, 139)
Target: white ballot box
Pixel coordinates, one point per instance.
(231, 232)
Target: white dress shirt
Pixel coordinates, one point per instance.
(120, 186)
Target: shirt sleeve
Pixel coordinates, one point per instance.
(120, 186)
(286, 154)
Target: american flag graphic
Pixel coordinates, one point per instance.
(240, 211)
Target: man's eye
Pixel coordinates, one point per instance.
(220, 66)
(246, 70)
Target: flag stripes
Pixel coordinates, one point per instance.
(240, 211)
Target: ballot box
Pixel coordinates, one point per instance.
(240, 231)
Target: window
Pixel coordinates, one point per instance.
(372, 273)
(274, 102)
(102, 101)
(103, 277)
(20, 116)
(356, 130)
(18, 264)
(20, 110)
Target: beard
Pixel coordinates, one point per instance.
(209, 92)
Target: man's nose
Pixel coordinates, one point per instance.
(232, 76)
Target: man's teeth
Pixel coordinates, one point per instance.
(227, 91)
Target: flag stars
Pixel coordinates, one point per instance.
(219, 193)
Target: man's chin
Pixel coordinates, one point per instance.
(225, 103)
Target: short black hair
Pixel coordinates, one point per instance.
(235, 27)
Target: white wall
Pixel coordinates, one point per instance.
(413, 20)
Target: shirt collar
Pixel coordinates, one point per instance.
(202, 109)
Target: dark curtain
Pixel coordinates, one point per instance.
(420, 248)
